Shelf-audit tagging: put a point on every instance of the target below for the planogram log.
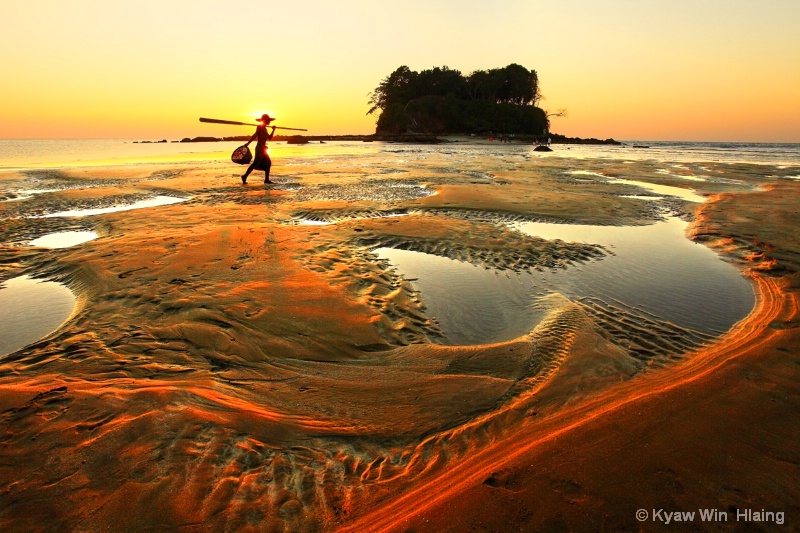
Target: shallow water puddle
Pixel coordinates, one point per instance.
(472, 305)
(32, 192)
(27, 194)
(655, 269)
(587, 173)
(141, 204)
(30, 309)
(681, 176)
(643, 197)
(63, 239)
(665, 190)
(310, 222)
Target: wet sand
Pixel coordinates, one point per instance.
(230, 366)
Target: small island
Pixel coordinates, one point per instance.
(440, 105)
(500, 103)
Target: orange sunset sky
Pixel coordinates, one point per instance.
(726, 70)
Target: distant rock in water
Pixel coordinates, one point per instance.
(542, 148)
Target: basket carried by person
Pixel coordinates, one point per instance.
(242, 155)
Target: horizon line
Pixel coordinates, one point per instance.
(369, 134)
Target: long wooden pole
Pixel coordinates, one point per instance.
(234, 123)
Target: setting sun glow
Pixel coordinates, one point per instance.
(628, 70)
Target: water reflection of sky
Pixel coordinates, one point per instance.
(17, 153)
(63, 239)
(654, 268)
(684, 194)
(31, 309)
(141, 204)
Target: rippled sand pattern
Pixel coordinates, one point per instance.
(231, 369)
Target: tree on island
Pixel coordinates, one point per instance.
(442, 100)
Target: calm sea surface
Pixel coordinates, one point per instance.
(39, 153)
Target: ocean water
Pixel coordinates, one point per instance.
(16, 154)
(38, 153)
(784, 154)
(47, 153)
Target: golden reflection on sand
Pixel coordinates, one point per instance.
(228, 367)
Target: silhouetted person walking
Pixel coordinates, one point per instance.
(261, 161)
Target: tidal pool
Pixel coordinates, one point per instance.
(684, 194)
(141, 204)
(63, 239)
(31, 309)
(654, 269)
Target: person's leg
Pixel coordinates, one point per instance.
(267, 167)
(247, 172)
